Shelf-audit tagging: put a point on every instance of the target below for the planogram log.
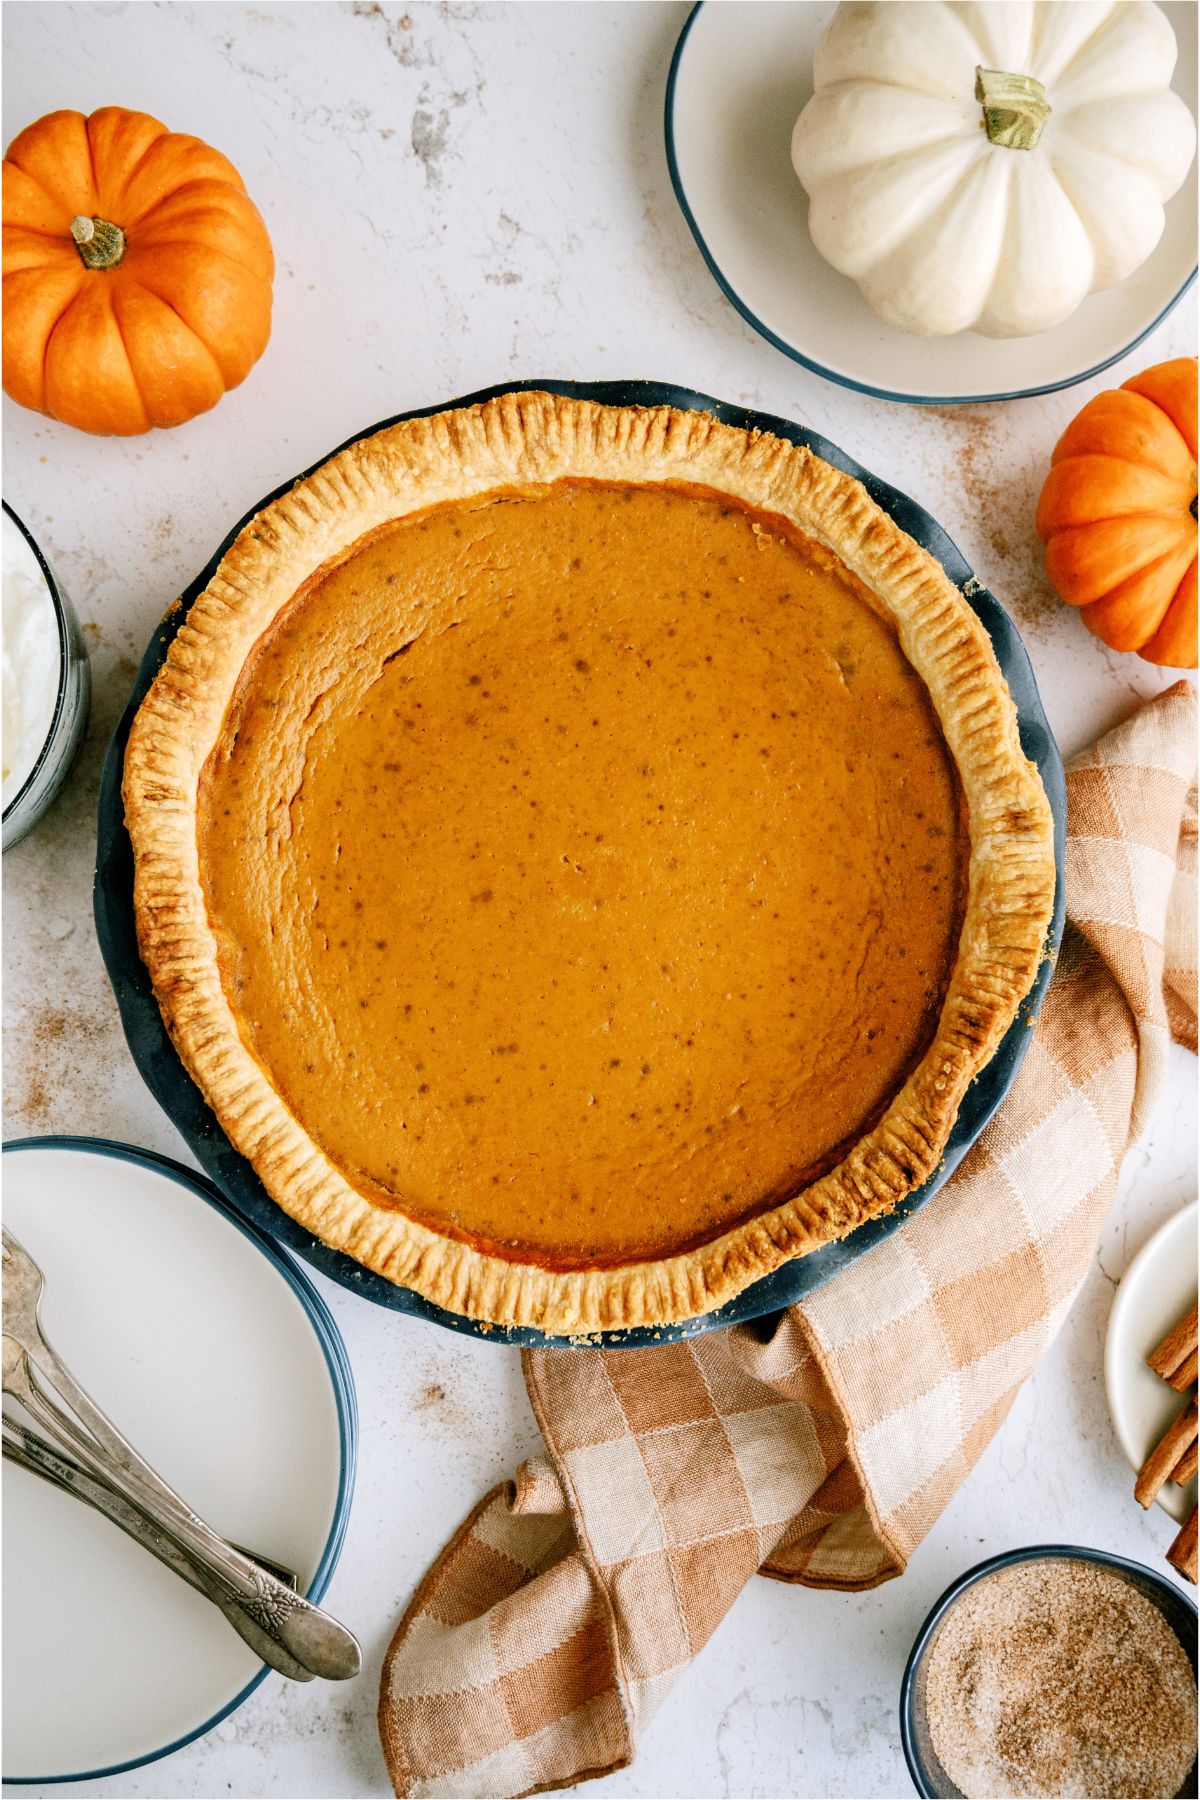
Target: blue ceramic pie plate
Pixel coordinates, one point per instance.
(175, 1091)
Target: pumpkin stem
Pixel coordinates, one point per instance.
(1195, 497)
(1015, 108)
(100, 245)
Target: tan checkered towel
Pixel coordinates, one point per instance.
(822, 1447)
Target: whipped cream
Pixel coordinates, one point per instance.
(31, 655)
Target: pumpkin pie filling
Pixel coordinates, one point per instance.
(586, 864)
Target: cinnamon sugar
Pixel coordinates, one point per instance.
(1060, 1678)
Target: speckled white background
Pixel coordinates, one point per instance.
(460, 195)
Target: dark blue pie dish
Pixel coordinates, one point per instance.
(167, 1079)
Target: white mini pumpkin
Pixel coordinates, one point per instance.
(986, 166)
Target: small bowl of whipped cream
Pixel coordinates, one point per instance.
(46, 682)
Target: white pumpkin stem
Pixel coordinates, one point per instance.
(100, 244)
(1015, 108)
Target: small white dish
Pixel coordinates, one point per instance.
(1156, 1290)
(218, 1360)
(42, 729)
(739, 77)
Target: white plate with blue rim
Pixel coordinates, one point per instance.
(218, 1359)
(1156, 1291)
(739, 77)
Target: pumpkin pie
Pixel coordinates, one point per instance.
(583, 854)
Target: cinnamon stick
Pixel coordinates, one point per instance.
(1175, 1349)
(1156, 1469)
(1185, 1468)
(1185, 1375)
(1182, 1554)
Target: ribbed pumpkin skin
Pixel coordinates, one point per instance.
(1117, 514)
(183, 316)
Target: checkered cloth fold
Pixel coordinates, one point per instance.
(821, 1445)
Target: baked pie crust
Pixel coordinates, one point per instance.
(519, 444)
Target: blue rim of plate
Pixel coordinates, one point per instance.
(175, 1091)
(341, 1379)
(789, 350)
(1142, 1578)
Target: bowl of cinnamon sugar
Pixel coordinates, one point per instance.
(1054, 1671)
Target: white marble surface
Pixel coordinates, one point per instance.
(460, 195)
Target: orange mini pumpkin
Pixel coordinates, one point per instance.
(137, 272)
(1117, 514)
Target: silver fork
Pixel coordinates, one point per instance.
(39, 1456)
(252, 1599)
(30, 1451)
(18, 1382)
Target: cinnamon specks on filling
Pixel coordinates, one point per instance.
(696, 855)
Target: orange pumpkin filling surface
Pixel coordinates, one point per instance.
(586, 865)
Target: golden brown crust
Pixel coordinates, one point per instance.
(523, 439)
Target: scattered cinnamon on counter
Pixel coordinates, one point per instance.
(1057, 1678)
(1182, 1554)
(1175, 1358)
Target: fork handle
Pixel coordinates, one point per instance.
(245, 1599)
(30, 1451)
(251, 1627)
(306, 1633)
(33, 1452)
(43, 1357)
